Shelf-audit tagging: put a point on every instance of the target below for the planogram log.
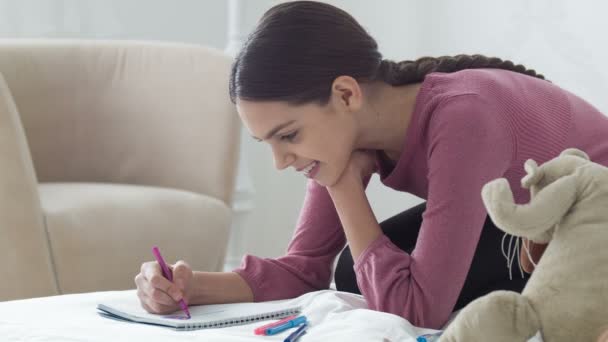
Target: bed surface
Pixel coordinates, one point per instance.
(333, 316)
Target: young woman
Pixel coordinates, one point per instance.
(311, 83)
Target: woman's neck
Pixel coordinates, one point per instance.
(386, 116)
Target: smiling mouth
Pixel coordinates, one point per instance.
(309, 168)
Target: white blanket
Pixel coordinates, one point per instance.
(333, 316)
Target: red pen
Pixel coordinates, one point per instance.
(262, 330)
(167, 274)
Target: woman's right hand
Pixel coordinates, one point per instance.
(156, 293)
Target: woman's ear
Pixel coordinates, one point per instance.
(346, 92)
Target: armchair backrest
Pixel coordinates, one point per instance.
(129, 112)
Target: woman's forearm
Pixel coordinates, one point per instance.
(358, 221)
(218, 288)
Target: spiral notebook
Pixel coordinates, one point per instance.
(203, 316)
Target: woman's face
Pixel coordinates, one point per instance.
(313, 139)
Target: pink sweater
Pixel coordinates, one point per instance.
(467, 128)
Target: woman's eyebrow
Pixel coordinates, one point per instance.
(275, 130)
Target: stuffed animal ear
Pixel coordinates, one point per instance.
(574, 152)
(535, 174)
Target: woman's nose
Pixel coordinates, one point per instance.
(282, 159)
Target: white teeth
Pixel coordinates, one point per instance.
(309, 167)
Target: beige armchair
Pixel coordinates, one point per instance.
(106, 149)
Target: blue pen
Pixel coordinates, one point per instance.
(293, 323)
(429, 337)
(294, 336)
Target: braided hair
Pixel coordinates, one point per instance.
(299, 48)
(407, 72)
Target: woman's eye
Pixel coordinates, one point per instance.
(290, 136)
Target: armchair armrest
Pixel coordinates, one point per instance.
(26, 268)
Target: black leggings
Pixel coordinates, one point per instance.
(488, 270)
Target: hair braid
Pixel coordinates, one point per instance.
(407, 72)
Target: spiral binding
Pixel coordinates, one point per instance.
(242, 320)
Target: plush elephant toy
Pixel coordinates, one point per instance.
(566, 297)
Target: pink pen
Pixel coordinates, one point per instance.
(167, 274)
(262, 330)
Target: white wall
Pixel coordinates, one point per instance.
(561, 39)
(194, 21)
(564, 40)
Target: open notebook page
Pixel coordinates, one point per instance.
(203, 316)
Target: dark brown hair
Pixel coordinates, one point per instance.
(299, 48)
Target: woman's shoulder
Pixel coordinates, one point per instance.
(500, 91)
(485, 82)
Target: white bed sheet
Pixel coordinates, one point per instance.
(333, 316)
